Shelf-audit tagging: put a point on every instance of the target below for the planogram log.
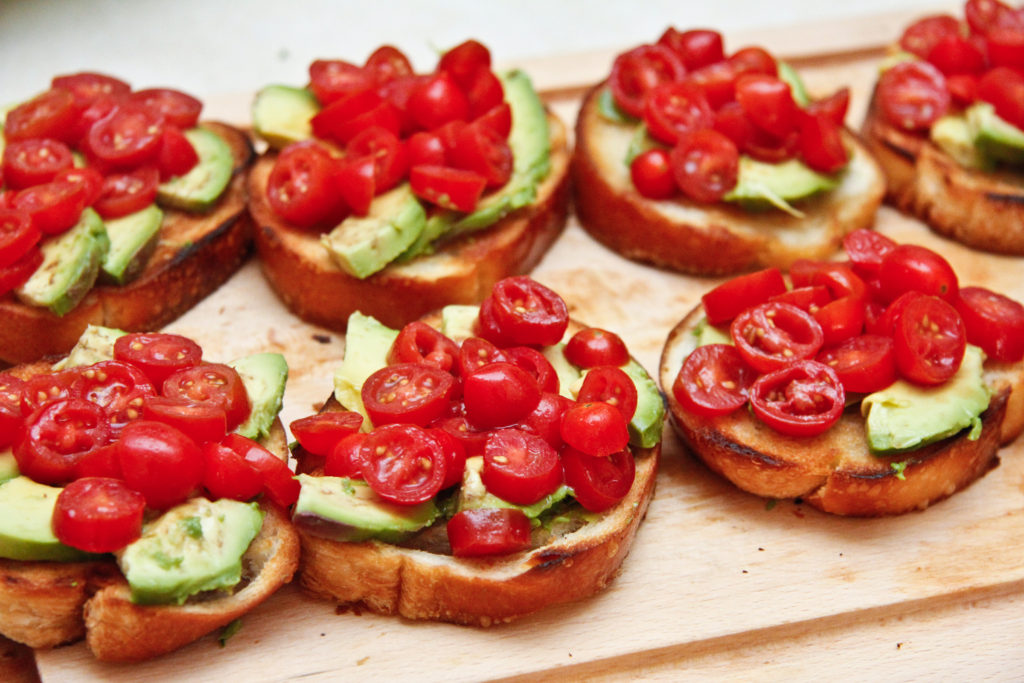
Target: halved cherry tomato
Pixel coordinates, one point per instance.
(476, 353)
(637, 72)
(279, 484)
(98, 515)
(57, 436)
(809, 298)
(407, 392)
(911, 267)
(864, 363)
(753, 60)
(464, 60)
(320, 433)
(177, 156)
(718, 81)
(21, 270)
(451, 188)
(117, 387)
(520, 467)
(769, 148)
(472, 440)
(696, 48)
(87, 178)
(866, 249)
(840, 319)
(768, 102)
(651, 173)
(418, 342)
(100, 462)
(398, 92)
(345, 118)
(821, 143)
(38, 390)
(598, 483)
(834, 106)
(499, 394)
(87, 86)
(425, 149)
(158, 354)
(35, 161)
(802, 271)
(963, 89)
(214, 383)
(484, 92)
(528, 313)
(920, 37)
(954, 54)
(479, 149)
(478, 532)
(713, 380)
(994, 322)
(536, 364)
(126, 137)
(17, 236)
(10, 408)
(404, 464)
(203, 422)
(611, 385)
(49, 115)
(346, 458)
(546, 419)
(160, 462)
(674, 109)
(487, 325)
(802, 399)
(301, 186)
(227, 474)
(438, 100)
(913, 95)
(177, 108)
(885, 323)
(54, 207)
(125, 193)
(498, 119)
(355, 182)
(388, 63)
(593, 346)
(773, 335)
(454, 456)
(332, 80)
(729, 299)
(94, 111)
(595, 428)
(1003, 88)
(706, 165)
(928, 340)
(984, 15)
(840, 280)
(390, 158)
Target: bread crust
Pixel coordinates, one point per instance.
(461, 272)
(707, 239)
(196, 253)
(982, 209)
(834, 471)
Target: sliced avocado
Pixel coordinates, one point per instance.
(264, 376)
(761, 184)
(905, 416)
(8, 466)
(789, 75)
(611, 111)
(281, 114)
(707, 333)
(200, 188)
(953, 135)
(194, 547)
(362, 245)
(71, 263)
(348, 510)
(649, 419)
(367, 343)
(96, 344)
(458, 321)
(568, 374)
(26, 512)
(132, 241)
(995, 137)
(473, 494)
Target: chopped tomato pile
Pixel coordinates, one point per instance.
(891, 311)
(437, 403)
(145, 430)
(707, 109)
(445, 132)
(977, 59)
(129, 141)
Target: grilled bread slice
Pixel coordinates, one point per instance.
(708, 239)
(834, 471)
(196, 253)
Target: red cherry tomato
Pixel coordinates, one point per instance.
(920, 37)
(984, 15)
(343, 119)
(211, 383)
(706, 165)
(488, 531)
(88, 179)
(729, 299)
(332, 80)
(10, 408)
(963, 89)
(821, 143)
(49, 115)
(227, 474)
(484, 92)
(732, 122)
(910, 267)
(17, 236)
(388, 63)
(696, 48)
(994, 322)
(928, 340)
(610, 385)
(593, 346)
(38, 390)
(809, 298)
(713, 380)
(202, 422)
(355, 182)
(864, 363)
(866, 249)
(651, 173)
(126, 137)
(913, 95)
(802, 399)
(87, 86)
(954, 54)
(768, 102)
(160, 462)
(1003, 88)
(497, 119)
(675, 109)
(476, 353)
(773, 335)
(98, 515)
(520, 467)
(54, 207)
(598, 483)
(769, 148)
(536, 364)
(637, 72)
(425, 149)
(177, 156)
(404, 464)
(158, 354)
(437, 101)
(100, 462)
(301, 186)
(840, 319)
(119, 388)
(884, 323)
(346, 458)
(487, 325)
(528, 313)
(546, 419)
(177, 108)
(35, 161)
(754, 60)
(454, 456)
(407, 392)
(499, 394)
(21, 270)
(718, 81)
(418, 342)
(464, 60)
(125, 193)
(472, 440)
(833, 107)
(595, 428)
(391, 161)
(840, 280)
(478, 149)
(451, 188)
(56, 436)
(279, 484)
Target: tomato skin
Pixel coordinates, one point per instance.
(994, 322)
(593, 346)
(984, 15)
(177, 108)
(768, 102)
(160, 462)
(488, 531)
(404, 464)
(202, 422)
(921, 37)
(10, 408)
(346, 458)
(454, 456)
(598, 483)
(651, 173)
(125, 193)
(35, 161)
(451, 188)
(390, 158)
(821, 144)
(773, 335)
(54, 207)
(913, 95)
(425, 149)
(536, 364)
(388, 63)
(279, 484)
(226, 473)
(301, 186)
(497, 119)
(98, 515)
(809, 298)
(954, 54)
(718, 81)
(833, 107)
(158, 354)
(705, 165)
(87, 86)
(733, 123)
(476, 353)
(840, 280)
(332, 80)
(21, 270)
(355, 182)
(499, 394)
(611, 385)
(418, 342)
(963, 89)
(87, 178)
(464, 60)
(520, 467)
(596, 428)
(675, 109)
(472, 440)
(177, 156)
(528, 313)
(482, 151)
(56, 436)
(408, 393)
(802, 399)
(128, 136)
(729, 299)
(1003, 88)
(214, 383)
(48, 115)
(119, 388)
(484, 92)
(864, 363)
(17, 236)
(437, 101)
(546, 419)
(638, 71)
(840, 319)
(100, 462)
(696, 48)
(755, 60)
(866, 249)
(928, 341)
(713, 380)
(910, 267)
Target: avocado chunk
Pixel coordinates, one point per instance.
(473, 494)
(363, 245)
(281, 114)
(132, 241)
(194, 547)
(264, 376)
(458, 321)
(26, 511)
(367, 343)
(8, 466)
(71, 263)
(96, 344)
(607, 107)
(348, 510)
(707, 333)
(760, 184)
(568, 374)
(905, 416)
(996, 138)
(646, 426)
(790, 77)
(200, 188)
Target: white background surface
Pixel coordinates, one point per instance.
(207, 47)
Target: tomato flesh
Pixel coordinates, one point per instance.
(157, 354)
(864, 363)
(301, 186)
(801, 399)
(17, 236)
(727, 300)
(211, 383)
(203, 422)
(520, 467)
(994, 322)
(528, 313)
(98, 515)
(418, 342)
(598, 483)
(319, 434)
(404, 464)
(596, 428)
(705, 165)
(57, 436)
(488, 531)
(928, 340)
(713, 380)
(772, 335)
(406, 392)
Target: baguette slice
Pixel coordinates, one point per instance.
(460, 272)
(45, 604)
(982, 209)
(196, 253)
(708, 239)
(834, 471)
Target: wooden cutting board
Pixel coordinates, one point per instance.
(718, 582)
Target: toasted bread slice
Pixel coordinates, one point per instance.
(195, 254)
(459, 272)
(708, 239)
(982, 209)
(834, 471)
